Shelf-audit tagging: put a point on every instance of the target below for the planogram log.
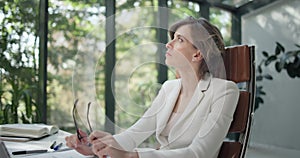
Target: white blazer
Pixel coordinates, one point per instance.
(201, 128)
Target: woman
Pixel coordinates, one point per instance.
(191, 115)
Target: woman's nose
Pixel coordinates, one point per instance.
(168, 45)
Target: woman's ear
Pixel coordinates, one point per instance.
(197, 56)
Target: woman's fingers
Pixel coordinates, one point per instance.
(97, 135)
(104, 144)
(82, 133)
(107, 140)
(109, 151)
(103, 152)
(71, 141)
(98, 145)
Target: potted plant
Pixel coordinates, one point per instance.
(282, 60)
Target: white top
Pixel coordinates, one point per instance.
(173, 119)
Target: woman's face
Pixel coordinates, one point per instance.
(180, 50)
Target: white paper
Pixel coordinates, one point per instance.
(63, 154)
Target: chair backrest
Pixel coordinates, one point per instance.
(240, 67)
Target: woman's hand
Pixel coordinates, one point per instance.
(80, 146)
(104, 144)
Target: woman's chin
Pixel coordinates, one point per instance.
(168, 63)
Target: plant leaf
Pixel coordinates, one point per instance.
(286, 56)
(291, 70)
(278, 66)
(256, 106)
(262, 93)
(259, 100)
(279, 48)
(27, 101)
(296, 62)
(24, 119)
(270, 59)
(265, 54)
(259, 69)
(298, 72)
(259, 78)
(268, 76)
(259, 87)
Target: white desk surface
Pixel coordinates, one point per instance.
(44, 143)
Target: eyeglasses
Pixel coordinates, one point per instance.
(75, 114)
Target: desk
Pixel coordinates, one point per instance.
(44, 143)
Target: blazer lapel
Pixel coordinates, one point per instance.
(198, 95)
(189, 113)
(164, 115)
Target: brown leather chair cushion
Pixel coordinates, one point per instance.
(241, 113)
(237, 61)
(230, 150)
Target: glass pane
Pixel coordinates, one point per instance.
(180, 9)
(236, 3)
(135, 70)
(75, 62)
(19, 21)
(222, 19)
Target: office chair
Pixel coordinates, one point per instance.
(239, 64)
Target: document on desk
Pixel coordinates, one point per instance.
(64, 154)
(27, 130)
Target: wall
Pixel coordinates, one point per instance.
(276, 121)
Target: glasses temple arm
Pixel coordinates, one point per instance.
(87, 117)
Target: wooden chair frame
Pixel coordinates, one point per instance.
(239, 63)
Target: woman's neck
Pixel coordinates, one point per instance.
(189, 82)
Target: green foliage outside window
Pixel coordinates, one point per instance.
(18, 68)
